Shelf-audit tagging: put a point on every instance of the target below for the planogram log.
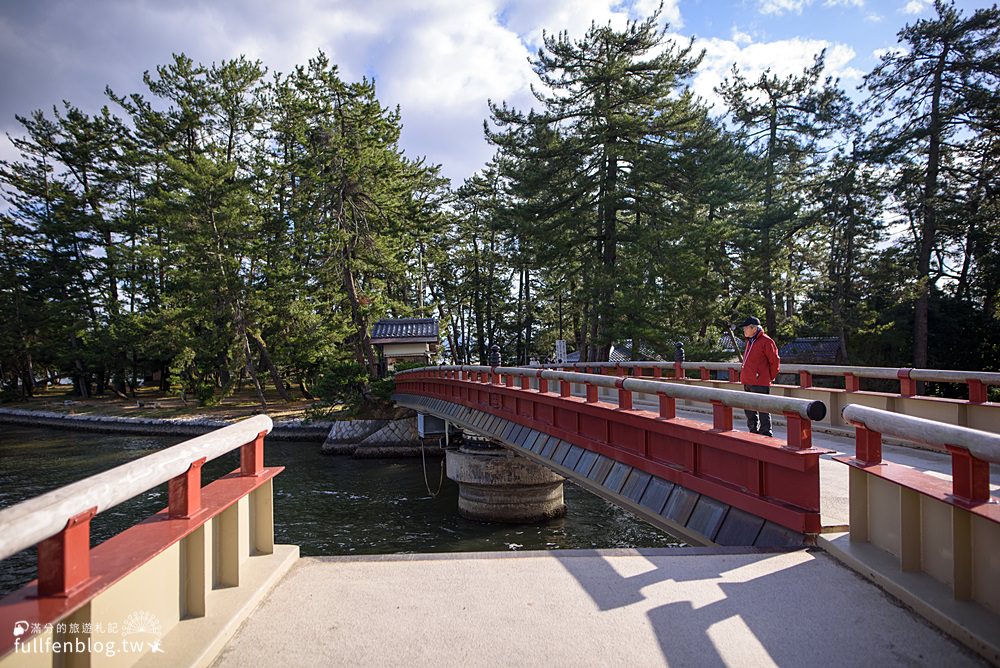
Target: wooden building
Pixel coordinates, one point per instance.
(405, 340)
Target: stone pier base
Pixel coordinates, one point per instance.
(499, 486)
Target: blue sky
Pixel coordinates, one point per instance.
(440, 60)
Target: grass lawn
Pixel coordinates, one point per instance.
(151, 403)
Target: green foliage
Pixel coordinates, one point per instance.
(342, 382)
(227, 225)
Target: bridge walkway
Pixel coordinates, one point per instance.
(682, 607)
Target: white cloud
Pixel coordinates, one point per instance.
(529, 18)
(916, 6)
(781, 6)
(439, 60)
(741, 38)
(844, 3)
(894, 50)
(782, 57)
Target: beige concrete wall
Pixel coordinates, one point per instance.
(986, 563)
(150, 593)
(985, 417)
(940, 410)
(936, 550)
(884, 515)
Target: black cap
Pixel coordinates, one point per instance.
(750, 320)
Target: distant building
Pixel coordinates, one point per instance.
(811, 350)
(622, 352)
(405, 340)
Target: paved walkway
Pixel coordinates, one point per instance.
(584, 608)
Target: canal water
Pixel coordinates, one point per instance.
(327, 505)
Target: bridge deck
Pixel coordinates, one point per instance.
(616, 607)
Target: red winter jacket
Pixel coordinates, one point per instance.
(760, 361)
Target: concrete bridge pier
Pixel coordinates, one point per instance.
(495, 485)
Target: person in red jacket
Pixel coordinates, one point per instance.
(760, 368)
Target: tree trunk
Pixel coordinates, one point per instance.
(929, 231)
(279, 383)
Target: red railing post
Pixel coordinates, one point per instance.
(851, 382)
(624, 396)
(722, 416)
(977, 391)
(64, 559)
(565, 389)
(907, 386)
(657, 372)
(543, 384)
(704, 374)
(799, 431)
(592, 391)
(184, 491)
(734, 375)
(678, 370)
(252, 456)
(668, 407)
(805, 379)
(525, 383)
(508, 380)
(970, 476)
(867, 445)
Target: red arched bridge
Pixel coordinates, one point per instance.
(689, 473)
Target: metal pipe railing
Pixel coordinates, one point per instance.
(30, 522)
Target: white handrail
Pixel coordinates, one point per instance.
(885, 373)
(30, 522)
(983, 445)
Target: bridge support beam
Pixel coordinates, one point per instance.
(499, 486)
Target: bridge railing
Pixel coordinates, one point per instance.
(975, 412)
(798, 412)
(172, 560)
(635, 424)
(949, 530)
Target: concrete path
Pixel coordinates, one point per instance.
(685, 607)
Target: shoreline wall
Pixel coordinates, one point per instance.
(292, 430)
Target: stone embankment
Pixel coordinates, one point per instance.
(373, 439)
(289, 430)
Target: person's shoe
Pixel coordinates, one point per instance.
(765, 433)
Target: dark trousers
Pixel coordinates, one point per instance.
(758, 423)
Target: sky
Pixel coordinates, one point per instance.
(438, 60)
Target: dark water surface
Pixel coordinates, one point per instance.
(327, 505)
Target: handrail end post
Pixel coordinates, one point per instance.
(722, 416)
(867, 445)
(252, 456)
(970, 475)
(64, 559)
(184, 491)
(799, 431)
